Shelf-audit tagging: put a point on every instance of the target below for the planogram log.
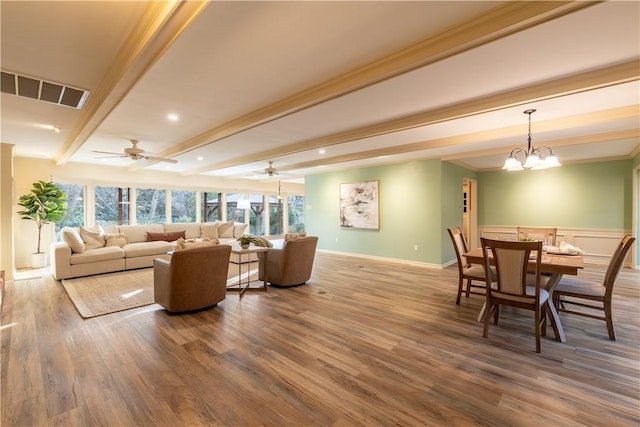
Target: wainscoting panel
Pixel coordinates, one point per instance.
(597, 244)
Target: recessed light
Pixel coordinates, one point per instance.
(200, 158)
(322, 151)
(172, 117)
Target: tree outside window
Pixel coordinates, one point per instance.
(256, 215)
(183, 206)
(75, 206)
(112, 205)
(296, 213)
(276, 216)
(150, 206)
(211, 203)
(233, 213)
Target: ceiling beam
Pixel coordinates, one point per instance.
(161, 24)
(581, 82)
(507, 18)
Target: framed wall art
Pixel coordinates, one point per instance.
(360, 205)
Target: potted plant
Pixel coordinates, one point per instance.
(245, 240)
(44, 204)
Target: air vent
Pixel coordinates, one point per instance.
(30, 87)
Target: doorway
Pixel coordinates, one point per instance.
(469, 212)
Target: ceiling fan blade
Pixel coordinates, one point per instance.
(160, 159)
(112, 157)
(109, 152)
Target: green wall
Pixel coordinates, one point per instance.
(593, 195)
(410, 211)
(419, 200)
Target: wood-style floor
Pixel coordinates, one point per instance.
(364, 343)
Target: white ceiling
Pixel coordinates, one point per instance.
(368, 82)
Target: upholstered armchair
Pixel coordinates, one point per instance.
(193, 279)
(290, 265)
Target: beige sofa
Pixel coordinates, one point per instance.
(68, 260)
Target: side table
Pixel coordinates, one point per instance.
(244, 285)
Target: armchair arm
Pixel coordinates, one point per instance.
(161, 282)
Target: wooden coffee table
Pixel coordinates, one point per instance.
(245, 285)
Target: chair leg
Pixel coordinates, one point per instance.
(537, 323)
(609, 319)
(487, 313)
(543, 321)
(459, 290)
(496, 313)
(468, 287)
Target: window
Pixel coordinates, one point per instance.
(211, 203)
(75, 206)
(256, 215)
(276, 215)
(183, 206)
(296, 213)
(150, 206)
(233, 213)
(112, 206)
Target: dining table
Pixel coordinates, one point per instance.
(555, 265)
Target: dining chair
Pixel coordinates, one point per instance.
(511, 286)
(593, 295)
(467, 273)
(546, 235)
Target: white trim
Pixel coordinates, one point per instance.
(386, 259)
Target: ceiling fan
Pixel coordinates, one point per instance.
(135, 153)
(271, 170)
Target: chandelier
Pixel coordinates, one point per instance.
(533, 157)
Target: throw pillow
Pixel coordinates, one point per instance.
(156, 237)
(117, 239)
(293, 236)
(239, 229)
(165, 237)
(73, 239)
(225, 229)
(175, 235)
(183, 244)
(209, 230)
(92, 238)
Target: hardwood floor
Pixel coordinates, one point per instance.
(364, 343)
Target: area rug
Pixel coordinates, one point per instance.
(108, 293)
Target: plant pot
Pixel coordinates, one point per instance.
(38, 260)
(244, 245)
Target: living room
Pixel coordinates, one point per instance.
(420, 98)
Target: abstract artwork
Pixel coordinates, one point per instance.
(359, 205)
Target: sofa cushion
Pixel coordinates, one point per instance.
(209, 230)
(96, 255)
(191, 229)
(93, 238)
(138, 233)
(71, 237)
(146, 248)
(225, 229)
(118, 239)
